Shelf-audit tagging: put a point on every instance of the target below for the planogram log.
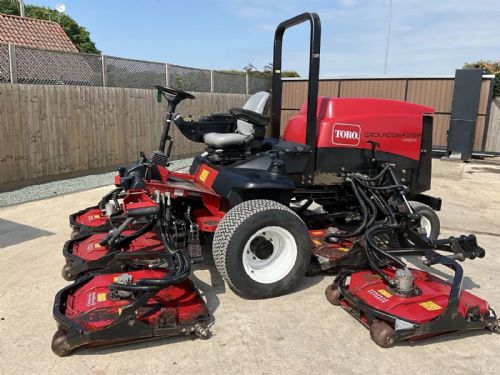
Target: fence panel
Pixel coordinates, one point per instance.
(4, 63)
(58, 68)
(122, 72)
(58, 130)
(189, 79)
(229, 83)
(258, 83)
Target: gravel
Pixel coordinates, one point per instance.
(61, 187)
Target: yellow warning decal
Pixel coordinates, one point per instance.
(344, 249)
(430, 306)
(97, 245)
(203, 175)
(317, 242)
(385, 293)
(101, 297)
(97, 216)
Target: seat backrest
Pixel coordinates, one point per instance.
(258, 102)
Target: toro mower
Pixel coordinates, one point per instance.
(365, 162)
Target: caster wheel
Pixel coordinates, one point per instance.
(67, 273)
(382, 334)
(332, 294)
(201, 330)
(59, 345)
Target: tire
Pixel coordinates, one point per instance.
(261, 249)
(429, 220)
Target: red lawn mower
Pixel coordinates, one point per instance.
(366, 162)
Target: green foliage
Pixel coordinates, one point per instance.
(267, 71)
(488, 67)
(78, 34)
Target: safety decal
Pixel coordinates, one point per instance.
(430, 306)
(203, 175)
(101, 297)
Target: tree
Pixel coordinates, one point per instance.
(78, 34)
(488, 67)
(267, 71)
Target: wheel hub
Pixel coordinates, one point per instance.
(262, 247)
(269, 254)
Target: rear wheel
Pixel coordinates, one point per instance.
(60, 345)
(382, 334)
(332, 294)
(428, 219)
(261, 248)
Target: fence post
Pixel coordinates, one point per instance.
(211, 81)
(12, 63)
(247, 84)
(167, 79)
(104, 78)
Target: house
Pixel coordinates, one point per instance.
(44, 54)
(35, 33)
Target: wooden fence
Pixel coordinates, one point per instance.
(50, 130)
(434, 92)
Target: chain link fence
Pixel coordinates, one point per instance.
(58, 68)
(37, 66)
(189, 79)
(258, 83)
(230, 83)
(122, 72)
(4, 63)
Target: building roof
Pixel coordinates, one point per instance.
(31, 32)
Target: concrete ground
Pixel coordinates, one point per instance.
(297, 333)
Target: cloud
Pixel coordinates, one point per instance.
(427, 37)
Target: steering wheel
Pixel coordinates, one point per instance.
(170, 93)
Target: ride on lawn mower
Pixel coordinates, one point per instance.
(251, 198)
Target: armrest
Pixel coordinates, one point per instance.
(252, 117)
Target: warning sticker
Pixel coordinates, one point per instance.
(430, 306)
(97, 216)
(385, 293)
(97, 245)
(344, 249)
(203, 175)
(101, 297)
(317, 242)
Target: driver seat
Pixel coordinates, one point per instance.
(258, 103)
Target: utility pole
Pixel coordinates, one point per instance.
(388, 37)
(21, 8)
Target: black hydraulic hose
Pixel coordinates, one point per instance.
(373, 245)
(371, 187)
(364, 208)
(377, 177)
(372, 207)
(182, 270)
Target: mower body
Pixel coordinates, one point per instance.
(434, 307)
(351, 132)
(85, 254)
(89, 314)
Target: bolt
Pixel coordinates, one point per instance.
(254, 258)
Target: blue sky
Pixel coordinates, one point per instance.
(428, 37)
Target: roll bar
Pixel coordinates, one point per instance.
(312, 91)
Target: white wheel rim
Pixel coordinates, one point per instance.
(276, 266)
(426, 224)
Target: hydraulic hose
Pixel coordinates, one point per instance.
(364, 208)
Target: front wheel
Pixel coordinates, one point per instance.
(261, 249)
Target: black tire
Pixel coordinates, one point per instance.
(235, 230)
(59, 344)
(429, 214)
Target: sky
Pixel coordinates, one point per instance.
(428, 37)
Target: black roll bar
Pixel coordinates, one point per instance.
(312, 92)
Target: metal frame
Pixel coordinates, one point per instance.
(312, 94)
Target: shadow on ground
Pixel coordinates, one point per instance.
(12, 233)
